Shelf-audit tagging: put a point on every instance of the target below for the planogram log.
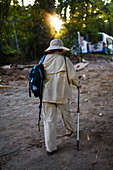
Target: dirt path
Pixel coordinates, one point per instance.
(19, 132)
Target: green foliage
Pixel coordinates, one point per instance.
(24, 32)
(47, 5)
(89, 18)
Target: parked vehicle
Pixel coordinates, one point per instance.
(104, 45)
(85, 48)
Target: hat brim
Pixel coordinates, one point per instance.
(57, 48)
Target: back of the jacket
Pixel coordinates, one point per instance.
(56, 87)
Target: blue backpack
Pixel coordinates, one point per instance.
(36, 78)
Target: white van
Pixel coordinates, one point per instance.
(104, 45)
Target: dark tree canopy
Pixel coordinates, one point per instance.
(25, 31)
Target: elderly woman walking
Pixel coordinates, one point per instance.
(59, 74)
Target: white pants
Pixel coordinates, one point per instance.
(50, 118)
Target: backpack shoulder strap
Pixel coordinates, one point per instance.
(42, 60)
(66, 70)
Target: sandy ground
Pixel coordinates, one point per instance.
(22, 146)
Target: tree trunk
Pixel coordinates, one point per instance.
(22, 3)
(16, 39)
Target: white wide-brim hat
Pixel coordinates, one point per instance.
(56, 44)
